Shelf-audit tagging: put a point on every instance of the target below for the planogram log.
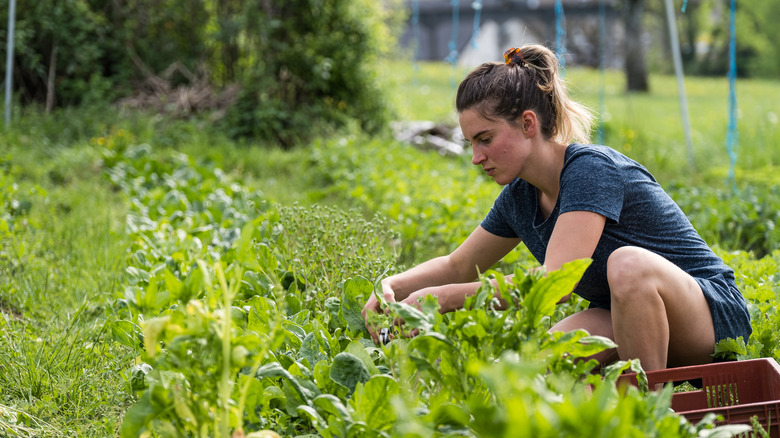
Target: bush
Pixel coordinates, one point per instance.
(97, 50)
(316, 65)
(303, 64)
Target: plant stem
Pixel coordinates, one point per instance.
(224, 425)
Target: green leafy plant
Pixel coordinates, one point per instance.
(744, 219)
(242, 323)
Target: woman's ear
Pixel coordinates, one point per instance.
(529, 122)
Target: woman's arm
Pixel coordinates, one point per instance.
(479, 252)
(575, 236)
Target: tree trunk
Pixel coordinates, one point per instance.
(227, 16)
(636, 66)
(50, 79)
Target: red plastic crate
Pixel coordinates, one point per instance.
(736, 390)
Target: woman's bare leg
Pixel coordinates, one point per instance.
(659, 313)
(597, 322)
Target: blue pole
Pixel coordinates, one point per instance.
(732, 135)
(415, 37)
(9, 60)
(477, 6)
(602, 67)
(560, 33)
(452, 58)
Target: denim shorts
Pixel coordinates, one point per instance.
(729, 312)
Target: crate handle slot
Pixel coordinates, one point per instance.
(722, 395)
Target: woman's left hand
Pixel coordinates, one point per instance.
(414, 300)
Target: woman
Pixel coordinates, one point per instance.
(654, 285)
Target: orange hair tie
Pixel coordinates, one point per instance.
(514, 56)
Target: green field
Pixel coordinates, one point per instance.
(158, 279)
(648, 127)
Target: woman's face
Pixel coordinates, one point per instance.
(499, 147)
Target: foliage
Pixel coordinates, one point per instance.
(744, 219)
(160, 32)
(56, 37)
(304, 65)
(14, 203)
(96, 49)
(170, 296)
(434, 207)
(756, 51)
(316, 66)
(234, 334)
(759, 283)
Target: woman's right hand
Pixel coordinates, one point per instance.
(373, 305)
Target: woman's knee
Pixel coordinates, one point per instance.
(626, 264)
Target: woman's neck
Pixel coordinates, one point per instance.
(547, 169)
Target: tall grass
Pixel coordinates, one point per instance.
(58, 266)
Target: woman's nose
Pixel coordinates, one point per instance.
(477, 157)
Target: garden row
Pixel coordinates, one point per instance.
(245, 315)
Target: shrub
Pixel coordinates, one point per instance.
(316, 65)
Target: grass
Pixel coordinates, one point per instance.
(647, 127)
(63, 263)
(57, 270)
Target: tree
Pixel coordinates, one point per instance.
(636, 64)
(301, 64)
(758, 46)
(71, 51)
(55, 50)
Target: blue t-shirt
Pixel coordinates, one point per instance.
(638, 211)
